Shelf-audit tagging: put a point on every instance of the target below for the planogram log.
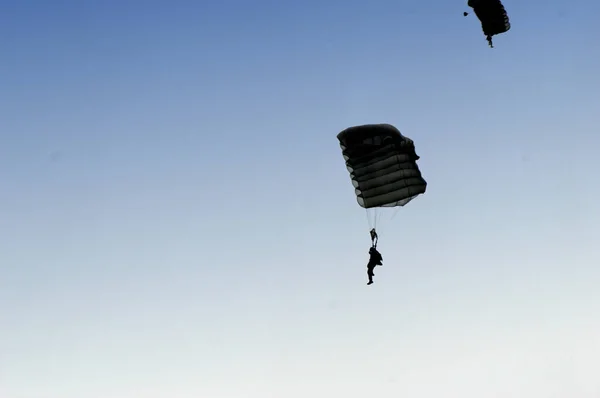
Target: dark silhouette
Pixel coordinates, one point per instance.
(384, 172)
(493, 17)
(375, 259)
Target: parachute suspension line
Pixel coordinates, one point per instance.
(373, 217)
(370, 220)
(374, 236)
(379, 215)
(395, 212)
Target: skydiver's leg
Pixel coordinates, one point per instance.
(370, 273)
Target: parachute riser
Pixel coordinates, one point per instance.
(374, 237)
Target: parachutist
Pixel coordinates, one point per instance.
(384, 172)
(375, 259)
(493, 17)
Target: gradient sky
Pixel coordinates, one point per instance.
(176, 220)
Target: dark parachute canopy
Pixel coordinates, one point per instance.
(493, 17)
(382, 165)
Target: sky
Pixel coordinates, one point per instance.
(176, 220)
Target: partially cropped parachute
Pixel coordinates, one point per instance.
(493, 17)
(382, 165)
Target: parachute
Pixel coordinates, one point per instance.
(493, 17)
(383, 166)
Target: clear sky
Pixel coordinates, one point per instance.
(176, 220)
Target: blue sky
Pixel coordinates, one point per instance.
(177, 220)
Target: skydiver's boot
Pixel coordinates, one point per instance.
(370, 283)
